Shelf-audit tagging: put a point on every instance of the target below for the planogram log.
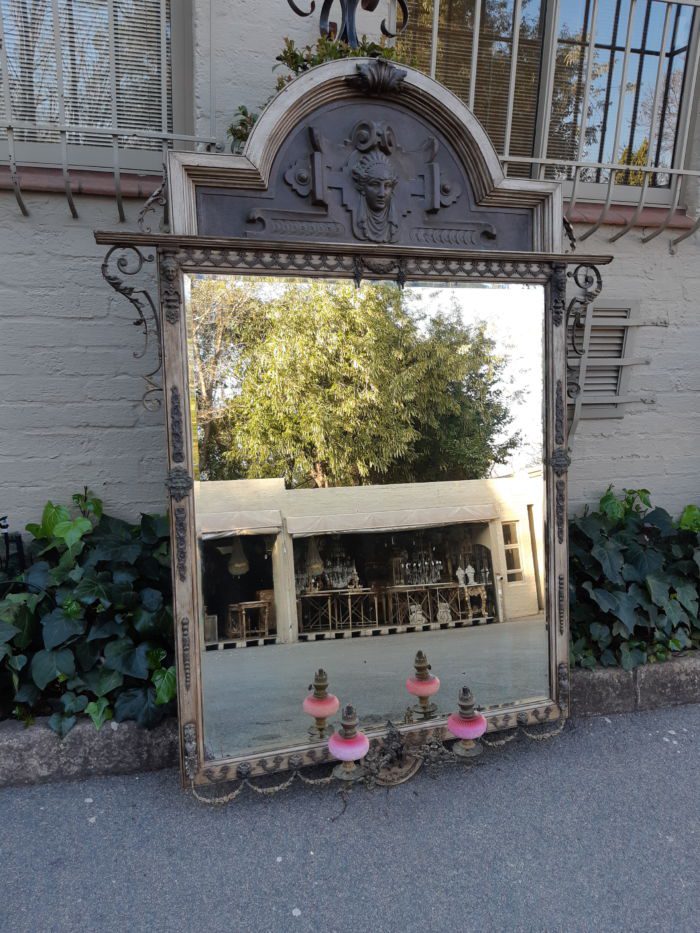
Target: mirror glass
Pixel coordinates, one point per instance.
(369, 484)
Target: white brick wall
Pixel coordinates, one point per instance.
(654, 446)
(70, 388)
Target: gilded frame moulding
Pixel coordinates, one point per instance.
(187, 252)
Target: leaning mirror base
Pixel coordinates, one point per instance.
(415, 735)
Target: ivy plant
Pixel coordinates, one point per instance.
(634, 582)
(298, 60)
(86, 629)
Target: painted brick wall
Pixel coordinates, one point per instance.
(654, 446)
(70, 388)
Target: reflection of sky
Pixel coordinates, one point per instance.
(513, 315)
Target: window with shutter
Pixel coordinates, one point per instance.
(86, 73)
(599, 357)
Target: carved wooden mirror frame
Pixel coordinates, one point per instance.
(272, 211)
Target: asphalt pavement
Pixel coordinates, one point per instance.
(597, 829)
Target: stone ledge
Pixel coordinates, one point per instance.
(652, 686)
(35, 754)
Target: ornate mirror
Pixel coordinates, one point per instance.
(364, 341)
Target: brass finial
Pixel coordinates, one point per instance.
(348, 722)
(466, 703)
(320, 684)
(421, 666)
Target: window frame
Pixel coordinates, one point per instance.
(115, 158)
(517, 546)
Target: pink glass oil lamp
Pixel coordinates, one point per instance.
(423, 685)
(349, 745)
(321, 705)
(467, 725)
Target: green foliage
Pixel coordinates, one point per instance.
(331, 384)
(634, 582)
(297, 61)
(86, 630)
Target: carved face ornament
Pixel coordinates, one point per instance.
(375, 178)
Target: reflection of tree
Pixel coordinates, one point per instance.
(326, 384)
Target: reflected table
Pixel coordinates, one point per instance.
(338, 610)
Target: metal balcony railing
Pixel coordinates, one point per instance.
(86, 86)
(600, 94)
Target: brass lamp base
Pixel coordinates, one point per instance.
(348, 771)
(424, 710)
(467, 748)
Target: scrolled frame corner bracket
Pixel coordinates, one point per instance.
(179, 483)
(122, 260)
(378, 78)
(158, 199)
(189, 746)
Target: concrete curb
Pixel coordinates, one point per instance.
(35, 754)
(652, 686)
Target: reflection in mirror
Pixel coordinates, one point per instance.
(369, 485)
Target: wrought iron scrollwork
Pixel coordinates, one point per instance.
(589, 281)
(348, 14)
(130, 260)
(159, 199)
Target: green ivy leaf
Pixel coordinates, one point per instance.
(606, 600)
(601, 634)
(72, 703)
(155, 656)
(151, 600)
(27, 693)
(37, 576)
(165, 684)
(122, 655)
(99, 711)
(659, 586)
(102, 681)
(609, 555)
(72, 531)
(611, 506)
(61, 724)
(93, 588)
(59, 629)
(690, 518)
(687, 595)
(7, 632)
(49, 665)
(105, 628)
(139, 703)
(661, 520)
(631, 657)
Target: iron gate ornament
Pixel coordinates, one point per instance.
(348, 15)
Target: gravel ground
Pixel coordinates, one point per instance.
(597, 829)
